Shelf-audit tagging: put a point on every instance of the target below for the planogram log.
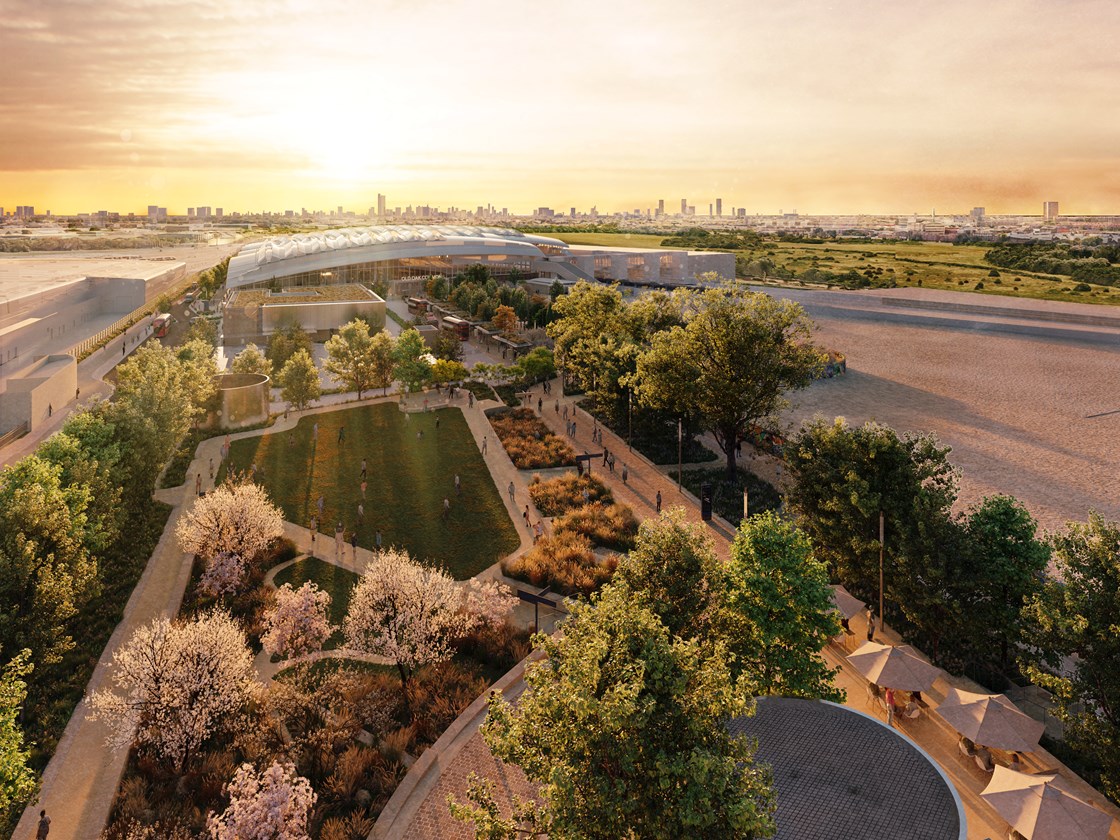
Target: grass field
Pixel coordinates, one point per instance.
(931, 265)
(408, 479)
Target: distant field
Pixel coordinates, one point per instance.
(611, 240)
(932, 265)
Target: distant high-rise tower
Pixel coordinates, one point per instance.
(709, 211)
(660, 207)
(1050, 210)
(380, 206)
(684, 206)
(719, 207)
(977, 213)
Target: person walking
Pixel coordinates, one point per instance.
(314, 529)
(889, 697)
(319, 504)
(198, 484)
(527, 520)
(363, 467)
(377, 540)
(446, 507)
(558, 406)
(659, 501)
(540, 403)
(338, 532)
(458, 489)
(341, 434)
(565, 412)
(573, 429)
(870, 625)
(315, 432)
(470, 399)
(363, 486)
(211, 467)
(538, 530)
(511, 492)
(354, 543)
(484, 444)
(44, 827)
(625, 473)
(361, 513)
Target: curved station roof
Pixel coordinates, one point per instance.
(280, 256)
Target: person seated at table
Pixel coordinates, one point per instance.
(966, 746)
(1016, 763)
(912, 710)
(984, 759)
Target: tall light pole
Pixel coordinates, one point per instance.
(679, 454)
(880, 570)
(630, 419)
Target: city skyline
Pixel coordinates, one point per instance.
(875, 109)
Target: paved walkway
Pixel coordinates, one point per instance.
(418, 808)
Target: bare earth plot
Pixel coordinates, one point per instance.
(1014, 397)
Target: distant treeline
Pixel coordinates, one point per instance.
(1086, 262)
(699, 239)
(22, 245)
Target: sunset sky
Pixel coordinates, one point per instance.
(820, 107)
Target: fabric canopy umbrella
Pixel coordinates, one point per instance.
(991, 720)
(1040, 810)
(893, 667)
(846, 603)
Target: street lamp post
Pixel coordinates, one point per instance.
(881, 615)
(630, 419)
(679, 460)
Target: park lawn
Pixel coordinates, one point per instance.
(334, 580)
(408, 479)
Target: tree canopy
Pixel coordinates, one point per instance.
(350, 357)
(299, 380)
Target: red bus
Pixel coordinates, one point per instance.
(161, 325)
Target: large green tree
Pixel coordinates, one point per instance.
(624, 727)
(46, 571)
(299, 381)
(844, 476)
(284, 343)
(350, 357)
(251, 360)
(730, 365)
(673, 571)
(1007, 569)
(17, 781)
(151, 411)
(778, 614)
(410, 367)
(381, 348)
(1074, 642)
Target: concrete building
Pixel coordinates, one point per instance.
(1050, 211)
(32, 394)
(684, 206)
(719, 207)
(650, 266)
(254, 314)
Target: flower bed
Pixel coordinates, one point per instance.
(566, 562)
(529, 442)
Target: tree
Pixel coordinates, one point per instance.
(236, 519)
(844, 476)
(199, 367)
(285, 343)
(1007, 569)
(381, 356)
(625, 730)
(152, 411)
(177, 684)
(298, 623)
(17, 780)
(273, 805)
(203, 329)
(46, 571)
(1074, 645)
(299, 381)
(730, 365)
(251, 360)
(505, 320)
(779, 614)
(587, 334)
(444, 372)
(350, 358)
(448, 346)
(675, 574)
(536, 365)
(407, 612)
(410, 367)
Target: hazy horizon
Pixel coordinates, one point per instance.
(875, 108)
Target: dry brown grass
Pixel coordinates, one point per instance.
(611, 526)
(565, 562)
(529, 442)
(557, 496)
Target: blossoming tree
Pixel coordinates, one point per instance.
(176, 684)
(272, 805)
(298, 623)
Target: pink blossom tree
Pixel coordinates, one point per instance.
(223, 574)
(298, 623)
(176, 684)
(488, 601)
(407, 612)
(272, 805)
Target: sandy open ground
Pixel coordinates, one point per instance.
(1016, 408)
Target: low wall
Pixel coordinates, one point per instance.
(34, 393)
